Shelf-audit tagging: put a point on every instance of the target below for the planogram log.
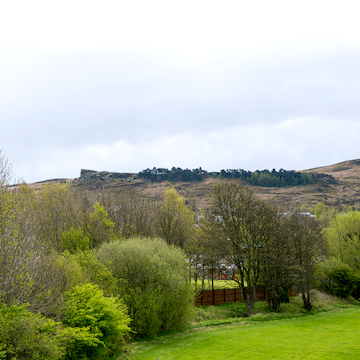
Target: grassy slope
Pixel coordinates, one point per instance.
(342, 194)
(219, 332)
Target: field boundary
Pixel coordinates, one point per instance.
(223, 296)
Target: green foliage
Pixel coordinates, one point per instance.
(72, 271)
(249, 233)
(343, 236)
(84, 267)
(74, 240)
(101, 323)
(320, 211)
(100, 228)
(175, 220)
(305, 235)
(153, 283)
(338, 278)
(66, 220)
(256, 178)
(27, 336)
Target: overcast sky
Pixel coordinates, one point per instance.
(128, 85)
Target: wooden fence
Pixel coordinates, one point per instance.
(217, 297)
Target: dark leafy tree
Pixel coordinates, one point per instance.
(305, 235)
(256, 178)
(279, 268)
(242, 224)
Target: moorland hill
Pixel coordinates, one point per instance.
(336, 186)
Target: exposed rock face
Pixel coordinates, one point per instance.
(90, 175)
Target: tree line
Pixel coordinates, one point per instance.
(257, 178)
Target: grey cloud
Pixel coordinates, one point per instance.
(78, 99)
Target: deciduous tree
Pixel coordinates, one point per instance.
(174, 220)
(305, 234)
(343, 237)
(242, 225)
(152, 280)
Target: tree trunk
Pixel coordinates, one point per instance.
(250, 305)
(306, 301)
(248, 300)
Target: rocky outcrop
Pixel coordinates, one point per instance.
(91, 175)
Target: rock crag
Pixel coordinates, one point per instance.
(91, 175)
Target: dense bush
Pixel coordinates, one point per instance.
(153, 283)
(84, 267)
(74, 240)
(101, 323)
(27, 336)
(338, 278)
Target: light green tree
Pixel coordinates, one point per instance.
(175, 221)
(102, 323)
(320, 211)
(74, 240)
(31, 336)
(343, 237)
(152, 280)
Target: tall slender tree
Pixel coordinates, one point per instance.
(305, 234)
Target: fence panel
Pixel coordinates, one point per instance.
(218, 297)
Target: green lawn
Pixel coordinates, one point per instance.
(334, 335)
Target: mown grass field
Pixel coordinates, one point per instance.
(331, 331)
(332, 335)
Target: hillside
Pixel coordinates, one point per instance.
(336, 186)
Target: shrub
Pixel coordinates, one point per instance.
(338, 278)
(74, 240)
(152, 280)
(25, 335)
(101, 323)
(84, 267)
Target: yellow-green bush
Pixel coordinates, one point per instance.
(152, 280)
(101, 323)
